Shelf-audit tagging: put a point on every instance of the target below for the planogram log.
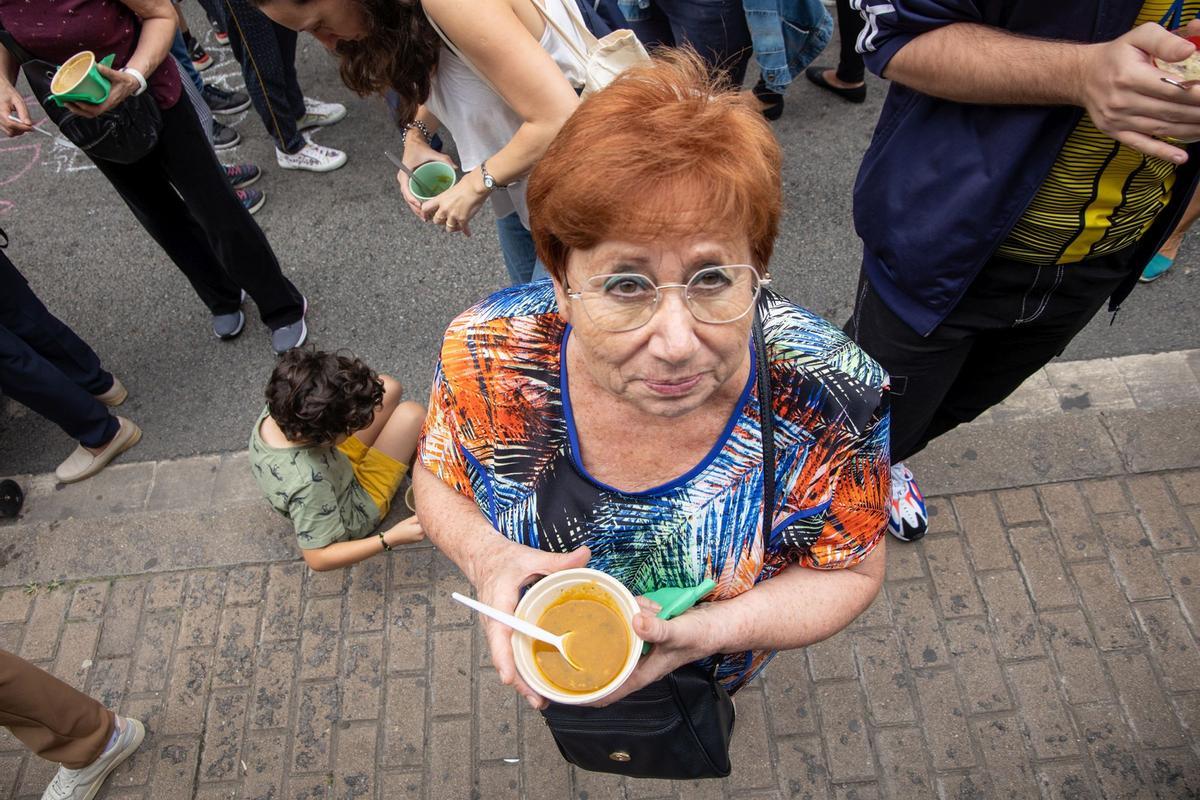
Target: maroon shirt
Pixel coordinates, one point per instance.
(55, 30)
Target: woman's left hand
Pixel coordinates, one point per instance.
(454, 208)
(673, 643)
(123, 87)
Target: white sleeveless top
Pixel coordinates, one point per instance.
(479, 119)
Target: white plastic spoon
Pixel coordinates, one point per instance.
(518, 624)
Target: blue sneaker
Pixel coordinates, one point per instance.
(1155, 269)
(908, 519)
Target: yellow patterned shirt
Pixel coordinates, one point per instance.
(1100, 196)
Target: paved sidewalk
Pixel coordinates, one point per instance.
(1041, 641)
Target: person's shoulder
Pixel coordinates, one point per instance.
(512, 321)
(814, 349)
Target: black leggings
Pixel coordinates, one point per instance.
(850, 25)
(180, 194)
(1014, 318)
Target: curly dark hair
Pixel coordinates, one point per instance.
(400, 52)
(315, 397)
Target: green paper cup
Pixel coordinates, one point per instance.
(78, 80)
(438, 176)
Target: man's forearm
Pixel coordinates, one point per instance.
(971, 63)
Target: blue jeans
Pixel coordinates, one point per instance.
(179, 50)
(520, 256)
(715, 28)
(46, 367)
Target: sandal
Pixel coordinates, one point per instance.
(773, 101)
(817, 75)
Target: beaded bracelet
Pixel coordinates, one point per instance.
(386, 546)
(421, 126)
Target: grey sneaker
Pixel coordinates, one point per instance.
(228, 326)
(84, 784)
(224, 137)
(289, 336)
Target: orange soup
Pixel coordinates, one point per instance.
(599, 640)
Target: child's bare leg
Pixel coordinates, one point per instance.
(392, 392)
(398, 438)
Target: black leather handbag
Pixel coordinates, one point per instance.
(680, 726)
(123, 135)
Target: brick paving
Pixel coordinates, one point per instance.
(1039, 642)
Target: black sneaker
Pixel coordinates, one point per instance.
(221, 36)
(220, 101)
(251, 199)
(224, 137)
(201, 60)
(242, 175)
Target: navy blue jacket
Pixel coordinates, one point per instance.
(943, 183)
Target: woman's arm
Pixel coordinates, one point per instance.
(490, 34)
(818, 604)
(496, 567)
(154, 42)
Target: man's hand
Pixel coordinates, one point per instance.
(11, 105)
(1122, 90)
(123, 87)
(498, 577)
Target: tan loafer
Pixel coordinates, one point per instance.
(115, 395)
(84, 464)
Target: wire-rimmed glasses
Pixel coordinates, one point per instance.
(625, 301)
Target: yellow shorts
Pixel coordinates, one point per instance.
(376, 471)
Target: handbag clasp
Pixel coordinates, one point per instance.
(620, 755)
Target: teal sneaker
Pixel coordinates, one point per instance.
(1155, 269)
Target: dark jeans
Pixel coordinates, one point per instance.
(267, 53)
(850, 25)
(46, 367)
(1013, 319)
(181, 196)
(715, 28)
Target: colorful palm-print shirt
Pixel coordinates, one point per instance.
(500, 431)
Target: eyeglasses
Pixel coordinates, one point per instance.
(625, 301)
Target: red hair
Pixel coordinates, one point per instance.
(662, 148)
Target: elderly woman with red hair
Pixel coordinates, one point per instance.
(612, 416)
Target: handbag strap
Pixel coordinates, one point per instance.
(766, 405)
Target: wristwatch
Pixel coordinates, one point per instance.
(489, 182)
(139, 77)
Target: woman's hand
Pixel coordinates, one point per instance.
(498, 576)
(11, 105)
(417, 152)
(123, 86)
(673, 643)
(454, 208)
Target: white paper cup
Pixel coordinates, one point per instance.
(541, 596)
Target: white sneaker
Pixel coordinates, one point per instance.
(908, 518)
(83, 784)
(318, 114)
(312, 157)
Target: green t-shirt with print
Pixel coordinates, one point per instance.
(315, 488)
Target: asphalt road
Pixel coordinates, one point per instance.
(379, 282)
